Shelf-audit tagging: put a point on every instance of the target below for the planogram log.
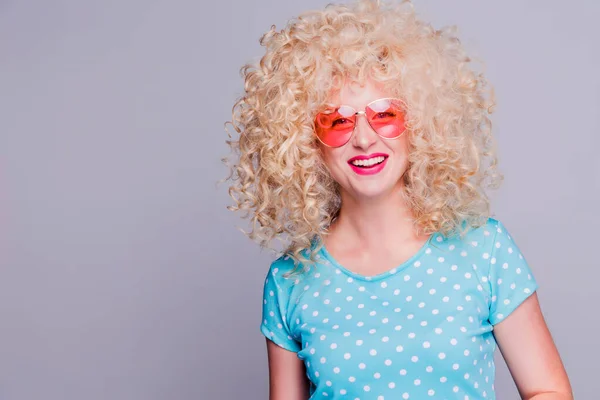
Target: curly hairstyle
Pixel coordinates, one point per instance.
(279, 178)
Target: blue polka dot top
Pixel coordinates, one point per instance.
(421, 330)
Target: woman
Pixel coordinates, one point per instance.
(365, 144)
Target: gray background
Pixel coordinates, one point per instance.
(123, 275)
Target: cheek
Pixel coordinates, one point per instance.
(401, 145)
(401, 149)
(332, 161)
(330, 158)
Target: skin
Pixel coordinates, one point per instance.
(372, 221)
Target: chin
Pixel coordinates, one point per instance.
(374, 189)
(368, 187)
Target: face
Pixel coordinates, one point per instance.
(359, 179)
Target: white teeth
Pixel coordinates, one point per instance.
(369, 162)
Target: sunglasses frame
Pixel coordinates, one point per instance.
(363, 112)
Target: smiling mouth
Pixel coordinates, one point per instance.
(368, 163)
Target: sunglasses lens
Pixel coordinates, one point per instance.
(386, 117)
(334, 127)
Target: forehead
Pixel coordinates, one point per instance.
(357, 94)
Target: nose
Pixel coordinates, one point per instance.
(364, 136)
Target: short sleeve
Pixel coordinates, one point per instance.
(511, 279)
(274, 324)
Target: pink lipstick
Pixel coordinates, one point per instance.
(368, 164)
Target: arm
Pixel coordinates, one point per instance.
(530, 354)
(287, 374)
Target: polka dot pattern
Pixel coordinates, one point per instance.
(420, 330)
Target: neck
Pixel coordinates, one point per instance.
(374, 223)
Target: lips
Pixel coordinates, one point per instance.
(364, 159)
(367, 165)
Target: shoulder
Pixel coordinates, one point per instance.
(489, 243)
(284, 272)
(484, 233)
(478, 243)
(490, 234)
(288, 274)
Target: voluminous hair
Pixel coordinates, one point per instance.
(278, 177)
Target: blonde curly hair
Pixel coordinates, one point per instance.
(279, 178)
